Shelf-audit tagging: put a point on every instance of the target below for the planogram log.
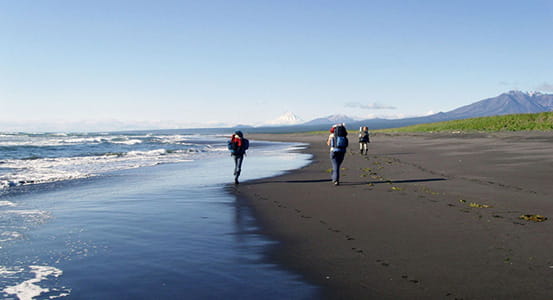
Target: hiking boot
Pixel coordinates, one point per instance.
(236, 181)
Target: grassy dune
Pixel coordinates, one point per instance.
(520, 122)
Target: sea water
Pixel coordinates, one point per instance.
(135, 216)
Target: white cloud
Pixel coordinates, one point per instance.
(373, 106)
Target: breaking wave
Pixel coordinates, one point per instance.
(41, 158)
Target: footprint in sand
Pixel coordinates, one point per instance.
(451, 295)
(259, 197)
(382, 263)
(356, 250)
(410, 280)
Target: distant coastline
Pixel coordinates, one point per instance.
(512, 102)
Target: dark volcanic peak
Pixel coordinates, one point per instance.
(513, 102)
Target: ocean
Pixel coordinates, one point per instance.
(136, 216)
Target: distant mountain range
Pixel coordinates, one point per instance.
(513, 102)
(333, 119)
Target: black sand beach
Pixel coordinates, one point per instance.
(423, 216)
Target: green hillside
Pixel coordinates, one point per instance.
(521, 122)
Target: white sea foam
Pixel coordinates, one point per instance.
(33, 166)
(6, 203)
(173, 139)
(61, 140)
(30, 212)
(14, 221)
(127, 142)
(9, 236)
(65, 168)
(28, 216)
(29, 289)
(8, 272)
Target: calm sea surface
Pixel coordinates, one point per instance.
(135, 216)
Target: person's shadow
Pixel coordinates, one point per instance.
(349, 183)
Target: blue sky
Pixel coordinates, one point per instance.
(197, 63)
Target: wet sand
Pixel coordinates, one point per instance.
(422, 216)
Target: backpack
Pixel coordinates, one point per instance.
(340, 130)
(235, 150)
(364, 137)
(339, 143)
(232, 147)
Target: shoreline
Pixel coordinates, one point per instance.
(99, 230)
(422, 216)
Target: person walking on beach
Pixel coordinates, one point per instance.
(238, 146)
(364, 139)
(338, 142)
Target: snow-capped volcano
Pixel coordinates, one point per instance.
(288, 118)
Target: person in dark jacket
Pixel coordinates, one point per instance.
(238, 146)
(364, 139)
(337, 150)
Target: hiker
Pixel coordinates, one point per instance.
(338, 142)
(238, 146)
(364, 139)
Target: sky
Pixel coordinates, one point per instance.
(77, 65)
